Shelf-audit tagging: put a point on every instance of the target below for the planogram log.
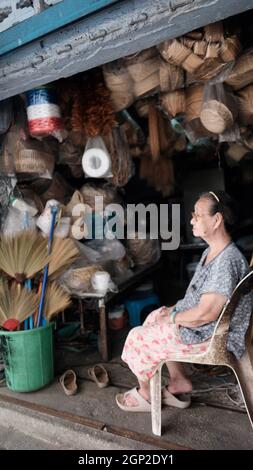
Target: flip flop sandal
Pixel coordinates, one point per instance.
(99, 375)
(143, 405)
(172, 400)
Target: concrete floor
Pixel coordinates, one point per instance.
(199, 427)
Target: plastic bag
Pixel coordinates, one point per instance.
(144, 251)
(16, 221)
(96, 160)
(107, 250)
(219, 109)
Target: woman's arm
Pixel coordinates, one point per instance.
(207, 310)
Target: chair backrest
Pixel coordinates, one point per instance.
(244, 286)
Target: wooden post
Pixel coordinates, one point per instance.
(103, 329)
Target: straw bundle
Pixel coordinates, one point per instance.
(56, 300)
(242, 72)
(64, 253)
(194, 99)
(153, 133)
(245, 105)
(216, 117)
(174, 52)
(117, 77)
(16, 305)
(144, 69)
(230, 49)
(24, 255)
(171, 76)
(148, 84)
(192, 63)
(174, 102)
(214, 32)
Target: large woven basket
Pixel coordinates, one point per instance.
(194, 99)
(174, 51)
(192, 63)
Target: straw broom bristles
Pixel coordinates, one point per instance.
(22, 256)
(16, 303)
(56, 300)
(64, 252)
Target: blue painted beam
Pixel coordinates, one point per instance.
(47, 21)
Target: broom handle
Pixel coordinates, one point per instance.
(54, 211)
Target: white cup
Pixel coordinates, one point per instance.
(100, 281)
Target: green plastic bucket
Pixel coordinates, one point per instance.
(28, 358)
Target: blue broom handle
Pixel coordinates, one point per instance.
(54, 211)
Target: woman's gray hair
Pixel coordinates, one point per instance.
(223, 203)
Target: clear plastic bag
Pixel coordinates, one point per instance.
(16, 221)
(219, 109)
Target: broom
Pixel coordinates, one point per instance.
(24, 255)
(64, 252)
(16, 305)
(56, 300)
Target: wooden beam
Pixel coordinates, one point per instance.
(127, 27)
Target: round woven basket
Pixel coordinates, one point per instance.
(194, 99)
(174, 102)
(117, 77)
(216, 117)
(147, 85)
(245, 105)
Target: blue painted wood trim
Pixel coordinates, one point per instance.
(47, 21)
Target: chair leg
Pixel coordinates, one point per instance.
(244, 373)
(156, 401)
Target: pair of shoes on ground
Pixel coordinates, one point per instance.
(144, 405)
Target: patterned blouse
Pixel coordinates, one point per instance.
(220, 276)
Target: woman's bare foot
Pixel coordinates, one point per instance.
(178, 386)
(131, 401)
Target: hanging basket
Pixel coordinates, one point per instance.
(217, 116)
(230, 49)
(142, 70)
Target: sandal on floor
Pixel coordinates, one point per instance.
(143, 405)
(99, 375)
(172, 400)
(68, 382)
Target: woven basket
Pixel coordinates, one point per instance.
(212, 51)
(194, 99)
(121, 100)
(245, 105)
(142, 70)
(149, 84)
(192, 63)
(199, 48)
(188, 42)
(230, 49)
(171, 77)
(117, 77)
(174, 51)
(216, 117)
(209, 69)
(214, 32)
(174, 102)
(242, 73)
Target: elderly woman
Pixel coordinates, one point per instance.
(187, 327)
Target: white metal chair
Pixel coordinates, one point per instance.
(216, 354)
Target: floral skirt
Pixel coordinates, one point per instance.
(155, 341)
